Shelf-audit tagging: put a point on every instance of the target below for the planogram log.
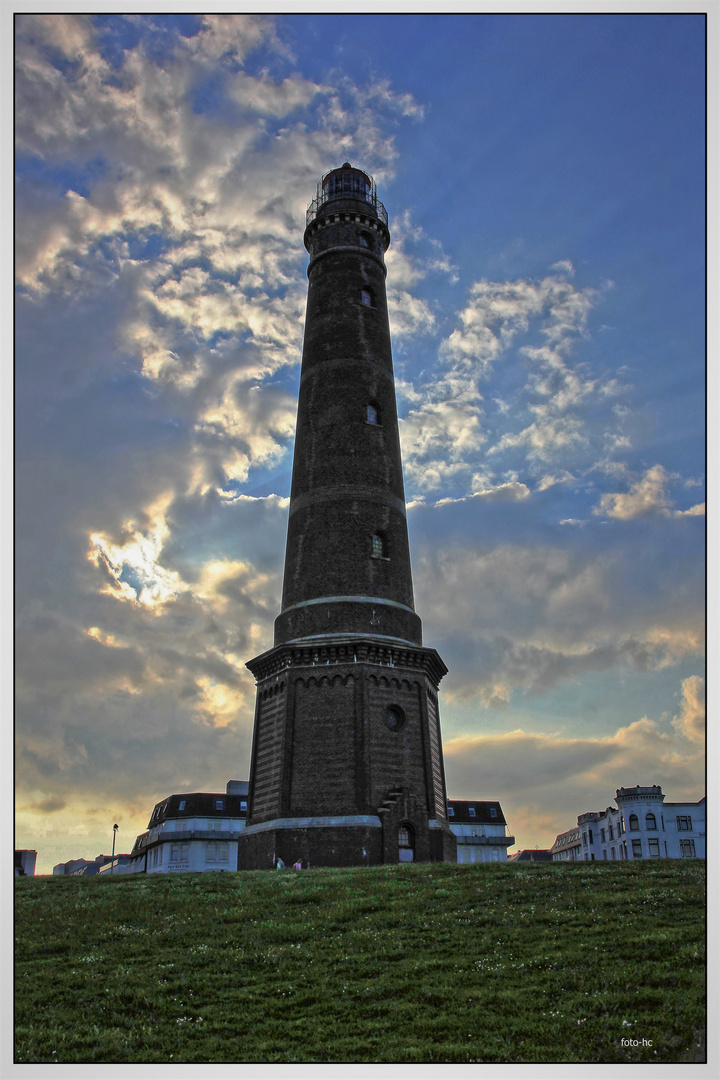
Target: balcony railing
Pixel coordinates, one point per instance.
(501, 841)
(344, 190)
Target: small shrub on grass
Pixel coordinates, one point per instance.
(425, 963)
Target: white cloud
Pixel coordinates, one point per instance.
(512, 491)
(646, 496)
(690, 721)
(695, 511)
(524, 619)
(496, 328)
(551, 479)
(546, 440)
(409, 315)
(263, 95)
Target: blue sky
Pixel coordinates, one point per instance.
(545, 181)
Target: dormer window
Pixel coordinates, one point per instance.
(182, 805)
(471, 811)
(451, 811)
(219, 804)
(493, 812)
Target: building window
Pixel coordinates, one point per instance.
(612, 852)
(650, 822)
(243, 804)
(379, 546)
(406, 843)
(590, 839)
(610, 832)
(373, 413)
(219, 804)
(364, 239)
(684, 823)
(634, 823)
(216, 851)
(183, 804)
(493, 812)
(602, 835)
(471, 811)
(451, 811)
(394, 717)
(637, 849)
(654, 846)
(687, 849)
(179, 852)
(367, 298)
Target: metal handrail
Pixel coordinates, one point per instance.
(350, 193)
(315, 206)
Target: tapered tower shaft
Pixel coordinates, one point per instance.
(347, 563)
(347, 764)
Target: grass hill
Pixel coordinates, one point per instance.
(414, 963)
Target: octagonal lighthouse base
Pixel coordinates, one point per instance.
(346, 765)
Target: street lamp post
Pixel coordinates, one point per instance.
(112, 864)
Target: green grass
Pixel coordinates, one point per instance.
(424, 963)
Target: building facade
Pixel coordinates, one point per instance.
(25, 860)
(532, 855)
(90, 866)
(567, 846)
(196, 831)
(347, 766)
(643, 826)
(480, 829)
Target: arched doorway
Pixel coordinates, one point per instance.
(406, 843)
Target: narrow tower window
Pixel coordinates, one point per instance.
(379, 546)
(364, 239)
(373, 412)
(367, 298)
(406, 843)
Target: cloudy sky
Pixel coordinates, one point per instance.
(544, 177)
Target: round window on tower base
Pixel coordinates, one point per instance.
(394, 717)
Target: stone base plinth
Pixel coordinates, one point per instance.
(313, 842)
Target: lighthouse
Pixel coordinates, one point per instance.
(346, 766)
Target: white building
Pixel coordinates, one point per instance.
(89, 866)
(567, 846)
(196, 831)
(644, 826)
(25, 860)
(481, 831)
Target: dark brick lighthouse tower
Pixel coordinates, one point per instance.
(347, 765)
